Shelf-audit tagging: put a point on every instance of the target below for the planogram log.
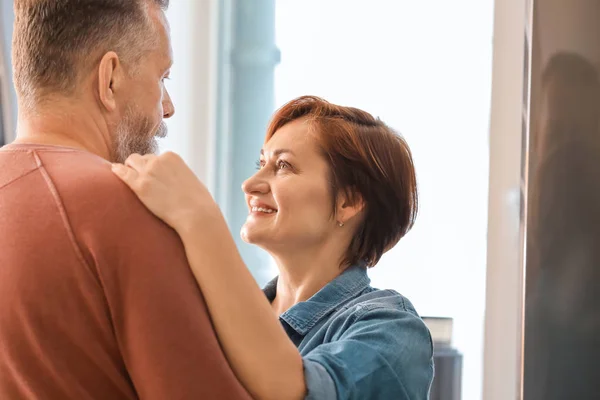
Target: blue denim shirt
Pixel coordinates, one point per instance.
(358, 342)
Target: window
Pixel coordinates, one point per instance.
(425, 69)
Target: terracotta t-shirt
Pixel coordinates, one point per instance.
(97, 300)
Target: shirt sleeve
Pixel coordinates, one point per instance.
(384, 354)
(160, 319)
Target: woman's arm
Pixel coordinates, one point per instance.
(259, 350)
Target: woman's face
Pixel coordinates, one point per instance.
(289, 198)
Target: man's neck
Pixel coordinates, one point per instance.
(67, 125)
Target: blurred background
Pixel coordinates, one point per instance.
(461, 81)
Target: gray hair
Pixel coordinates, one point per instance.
(56, 41)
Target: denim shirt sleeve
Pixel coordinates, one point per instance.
(382, 353)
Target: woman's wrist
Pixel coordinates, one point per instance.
(202, 221)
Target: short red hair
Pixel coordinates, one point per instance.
(366, 158)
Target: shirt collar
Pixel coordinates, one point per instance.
(302, 317)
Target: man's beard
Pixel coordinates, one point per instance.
(134, 135)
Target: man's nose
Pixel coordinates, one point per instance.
(168, 107)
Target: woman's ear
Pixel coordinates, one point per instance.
(348, 206)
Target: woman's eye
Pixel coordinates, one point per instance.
(260, 164)
(282, 164)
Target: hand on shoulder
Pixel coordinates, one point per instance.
(169, 188)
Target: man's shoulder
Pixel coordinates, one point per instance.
(90, 193)
(82, 173)
(71, 170)
(104, 214)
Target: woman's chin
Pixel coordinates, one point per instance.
(256, 237)
(249, 234)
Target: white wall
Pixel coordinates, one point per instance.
(504, 299)
(193, 84)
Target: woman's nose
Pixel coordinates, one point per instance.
(255, 185)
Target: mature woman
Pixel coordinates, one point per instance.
(335, 189)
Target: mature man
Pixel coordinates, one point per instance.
(96, 297)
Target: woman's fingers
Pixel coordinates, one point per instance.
(137, 161)
(127, 174)
(168, 187)
(135, 170)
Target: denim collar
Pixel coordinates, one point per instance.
(302, 317)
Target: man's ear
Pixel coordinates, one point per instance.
(348, 207)
(110, 74)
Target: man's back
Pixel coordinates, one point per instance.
(96, 297)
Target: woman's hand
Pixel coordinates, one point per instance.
(169, 188)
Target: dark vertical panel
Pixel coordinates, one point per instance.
(562, 314)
